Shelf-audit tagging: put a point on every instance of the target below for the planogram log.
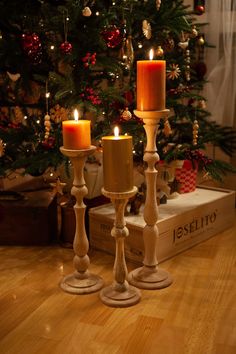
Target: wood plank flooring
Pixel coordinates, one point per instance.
(196, 314)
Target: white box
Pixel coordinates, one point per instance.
(183, 222)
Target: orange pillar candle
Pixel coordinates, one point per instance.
(76, 133)
(117, 163)
(151, 84)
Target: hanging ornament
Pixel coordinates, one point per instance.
(66, 47)
(200, 65)
(87, 12)
(147, 29)
(47, 123)
(199, 7)
(194, 32)
(201, 40)
(158, 4)
(202, 104)
(126, 114)
(159, 51)
(167, 128)
(58, 186)
(127, 52)
(112, 35)
(184, 40)
(195, 132)
(13, 77)
(32, 47)
(187, 66)
(2, 148)
(183, 45)
(173, 72)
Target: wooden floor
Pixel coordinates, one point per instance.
(196, 314)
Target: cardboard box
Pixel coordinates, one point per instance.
(29, 221)
(183, 222)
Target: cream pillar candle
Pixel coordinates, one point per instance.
(117, 163)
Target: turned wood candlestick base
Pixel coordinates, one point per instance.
(150, 276)
(120, 293)
(81, 281)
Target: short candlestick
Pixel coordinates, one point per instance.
(81, 281)
(150, 276)
(120, 293)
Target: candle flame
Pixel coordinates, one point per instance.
(116, 131)
(76, 114)
(151, 54)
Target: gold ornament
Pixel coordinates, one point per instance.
(47, 125)
(174, 72)
(147, 29)
(2, 148)
(126, 114)
(159, 51)
(202, 104)
(201, 40)
(87, 12)
(195, 132)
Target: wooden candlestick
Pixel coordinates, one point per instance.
(150, 276)
(120, 293)
(81, 281)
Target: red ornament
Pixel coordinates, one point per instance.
(199, 10)
(32, 47)
(66, 47)
(112, 36)
(199, 7)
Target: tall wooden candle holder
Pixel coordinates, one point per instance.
(150, 276)
(120, 293)
(81, 281)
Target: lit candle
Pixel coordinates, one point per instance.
(76, 133)
(117, 162)
(151, 84)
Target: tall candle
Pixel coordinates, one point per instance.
(117, 163)
(76, 133)
(151, 84)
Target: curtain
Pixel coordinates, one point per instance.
(221, 61)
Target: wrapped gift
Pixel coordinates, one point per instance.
(28, 218)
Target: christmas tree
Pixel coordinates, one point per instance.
(58, 55)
